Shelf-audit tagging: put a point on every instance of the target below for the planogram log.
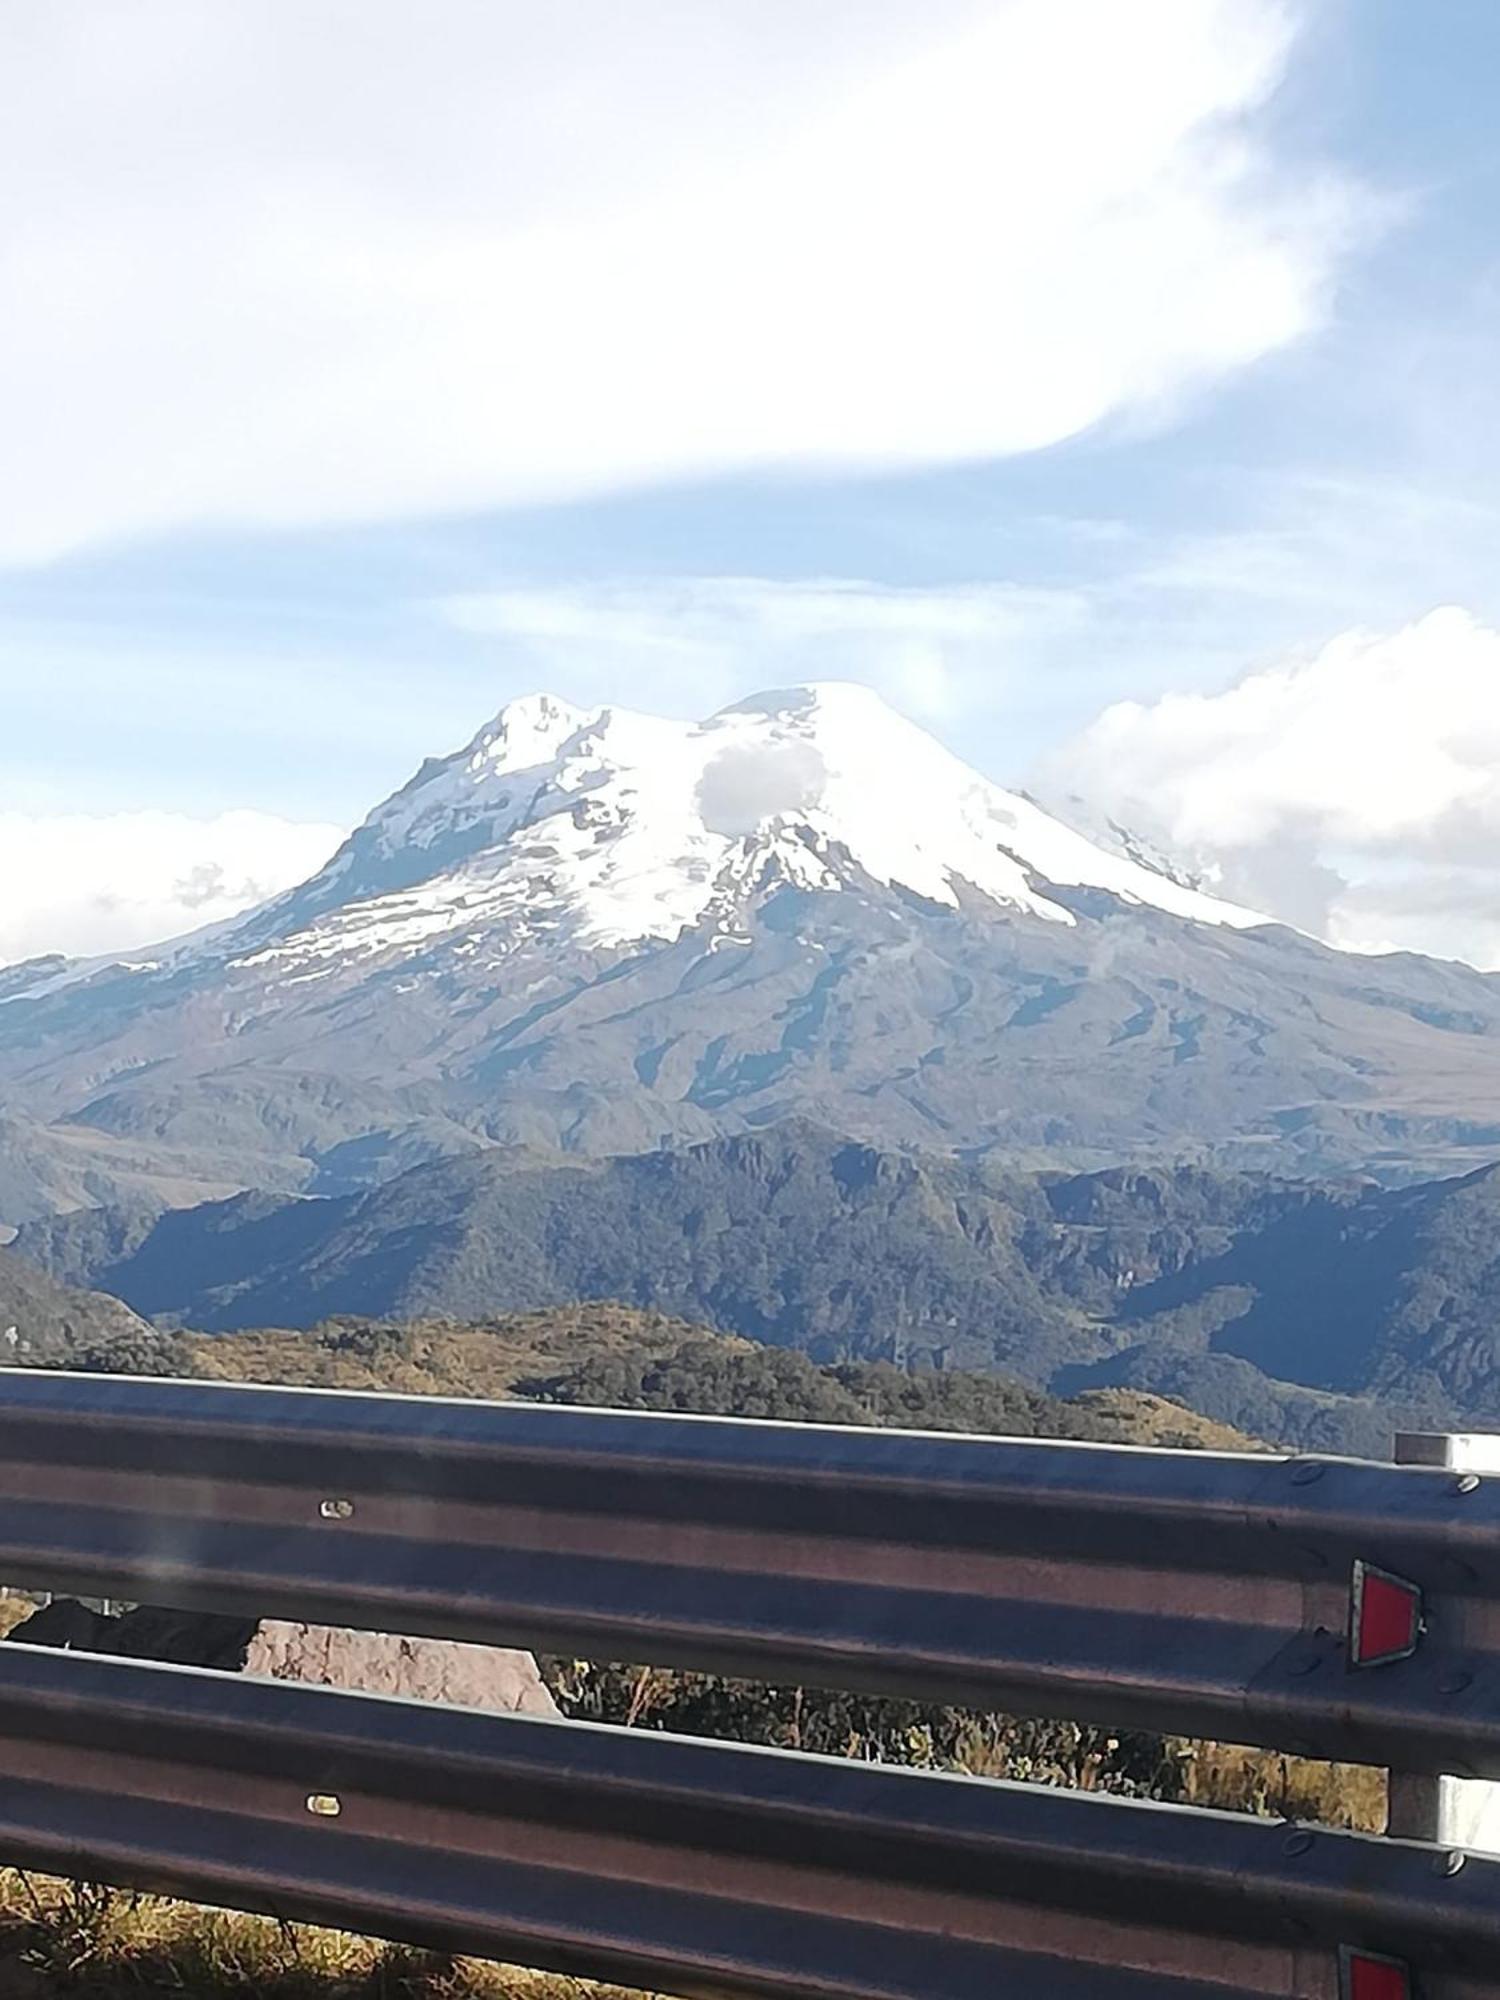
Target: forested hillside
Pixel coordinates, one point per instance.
(1326, 1315)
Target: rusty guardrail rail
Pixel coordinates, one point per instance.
(704, 1868)
(1329, 1606)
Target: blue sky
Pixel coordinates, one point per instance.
(1124, 423)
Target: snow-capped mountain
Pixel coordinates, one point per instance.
(598, 931)
(610, 828)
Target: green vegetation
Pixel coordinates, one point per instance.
(877, 1730)
(615, 1357)
(1323, 1316)
(710, 1376)
(430, 1357)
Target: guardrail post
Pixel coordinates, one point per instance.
(1452, 1812)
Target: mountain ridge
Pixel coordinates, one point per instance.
(1322, 1314)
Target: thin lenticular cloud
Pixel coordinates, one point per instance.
(391, 264)
(935, 651)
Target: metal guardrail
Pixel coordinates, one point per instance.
(704, 1868)
(1192, 1592)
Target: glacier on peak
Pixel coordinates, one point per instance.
(611, 827)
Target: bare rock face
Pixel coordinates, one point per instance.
(445, 1670)
(382, 1663)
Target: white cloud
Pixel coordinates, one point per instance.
(289, 261)
(1355, 792)
(693, 643)
(85, 884)
(742, 788)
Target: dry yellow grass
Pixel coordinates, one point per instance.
(1234, 1779)
(440, 1357)
(70, 1938)
(1132, 1416)
(1224, 1777)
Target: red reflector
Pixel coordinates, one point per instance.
(1369, 1978)
(1385, 1618)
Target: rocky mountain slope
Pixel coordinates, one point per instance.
(47, 1323)
(1313, 1313)
(596, 932)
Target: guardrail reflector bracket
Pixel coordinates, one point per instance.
(1364, 1975)
(1385, 1618)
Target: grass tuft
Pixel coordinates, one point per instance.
(76, 1938)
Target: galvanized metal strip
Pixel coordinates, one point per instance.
(1179, 1591)
(1080, 1502)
